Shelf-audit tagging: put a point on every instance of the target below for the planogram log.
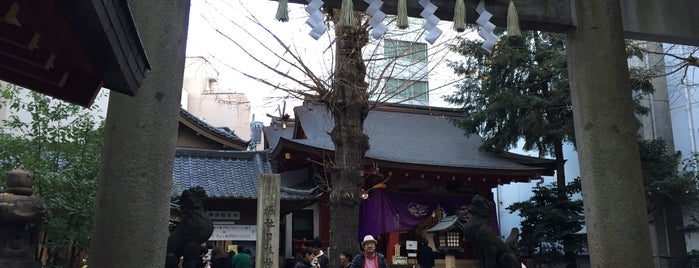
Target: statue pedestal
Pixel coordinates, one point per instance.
(20, 216)
(449, 261)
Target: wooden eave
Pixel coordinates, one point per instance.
(70, 49)
(216, 137)
(302, 154)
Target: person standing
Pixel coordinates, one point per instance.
(220, 259)
(241, 259)
(320, 259)
(425, 256)
(345, 259)
(307, 257)
(199, 261)
(369, 258)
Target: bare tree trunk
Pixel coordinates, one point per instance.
(560, 165)
(569, 255)
(135, 178)
(349, 107)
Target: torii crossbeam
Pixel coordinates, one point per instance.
(605, 128)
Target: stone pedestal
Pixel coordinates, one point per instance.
(20, 215)
(449, 261)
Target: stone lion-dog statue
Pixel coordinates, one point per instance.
(194, 229)
(490, 250)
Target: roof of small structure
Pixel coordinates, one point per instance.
(413, 135)
(228, 174)
(446, 224)
(203, 128)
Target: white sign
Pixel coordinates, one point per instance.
(228, 232)
(223, 215)
(411, 244)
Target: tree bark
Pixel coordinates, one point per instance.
(349, 106)
(560, 165)
(135, 179)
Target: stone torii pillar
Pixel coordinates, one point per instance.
(604, 121)
(605, 131)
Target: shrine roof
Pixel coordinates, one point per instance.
(228, 174)
(413, 135)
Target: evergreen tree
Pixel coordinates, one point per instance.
(668, 181)
(520, 91)
(550, 220)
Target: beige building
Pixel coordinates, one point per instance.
(219, 106)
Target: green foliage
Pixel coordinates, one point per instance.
(520, 91)
(690, 259)
(60, 145)
(667, 181)
(550, 220)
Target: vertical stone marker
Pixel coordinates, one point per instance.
(267, 249)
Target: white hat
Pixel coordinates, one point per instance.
(368, 238)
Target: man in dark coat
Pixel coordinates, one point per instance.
(425, 256)
(307, 256)
(320, 258)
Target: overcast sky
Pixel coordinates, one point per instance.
(208, 16)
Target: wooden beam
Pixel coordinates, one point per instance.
(670, 21)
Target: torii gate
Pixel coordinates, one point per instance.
(605, 129)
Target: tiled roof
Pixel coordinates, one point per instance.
(228, 174)
(219, 131)
(412, 138)
(273, 133)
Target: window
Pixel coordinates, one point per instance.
(407, 89)
(412, 51)
(302, 224)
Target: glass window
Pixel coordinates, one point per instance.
(407, 89)
(404, 50)
(302, 224)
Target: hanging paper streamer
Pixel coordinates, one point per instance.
(487, 27)
(377, 17)
(318, 27)
(430, 21)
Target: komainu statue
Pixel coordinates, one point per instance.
(194, 229)
(490, 249)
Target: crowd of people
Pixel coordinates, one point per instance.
(314, 257)
(368, 258)
(221, 259)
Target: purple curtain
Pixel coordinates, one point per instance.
(386, 212)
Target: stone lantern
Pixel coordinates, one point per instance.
(449, 238)
(20, 216)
